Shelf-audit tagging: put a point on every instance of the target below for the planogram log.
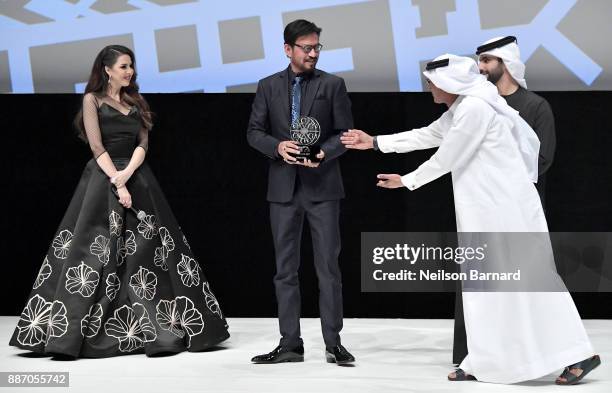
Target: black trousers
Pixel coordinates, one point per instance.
(287, 221)
(460, 349)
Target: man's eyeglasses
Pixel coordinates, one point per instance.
(308, 48)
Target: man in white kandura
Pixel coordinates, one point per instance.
(492, 155)
(499, 59)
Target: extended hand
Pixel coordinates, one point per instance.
(389, 181)
(357, 139)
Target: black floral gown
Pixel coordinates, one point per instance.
(113, 283)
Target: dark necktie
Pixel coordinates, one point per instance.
(296, 97)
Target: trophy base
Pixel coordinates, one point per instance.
(307, 153)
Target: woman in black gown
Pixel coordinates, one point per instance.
(115, 282)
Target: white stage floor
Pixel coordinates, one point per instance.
(393, 355)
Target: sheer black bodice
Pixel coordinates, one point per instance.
(112, 128)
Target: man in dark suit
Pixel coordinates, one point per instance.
(298, 189)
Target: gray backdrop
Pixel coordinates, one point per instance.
(47, 46)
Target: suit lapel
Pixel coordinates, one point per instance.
(283, 92)
(311, 92)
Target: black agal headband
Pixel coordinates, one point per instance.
(437, 64)
(496, 44)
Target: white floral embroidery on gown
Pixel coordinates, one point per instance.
(112, 283)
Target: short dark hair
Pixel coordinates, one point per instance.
(299, 28)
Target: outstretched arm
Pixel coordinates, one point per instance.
(469, 128)
(403, 142)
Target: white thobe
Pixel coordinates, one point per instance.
(511, 336)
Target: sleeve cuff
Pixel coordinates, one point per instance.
(409, 181)
(275, 156)
(383, 143)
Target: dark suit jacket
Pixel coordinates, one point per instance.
(327, 101)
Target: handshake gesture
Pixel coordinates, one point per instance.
(360, 140)
(357, 139)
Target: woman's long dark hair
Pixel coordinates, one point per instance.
(98, 84)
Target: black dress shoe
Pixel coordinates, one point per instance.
(281, 354)
(338, 355)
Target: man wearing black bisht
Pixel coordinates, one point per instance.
(500, 60)
(308, 188)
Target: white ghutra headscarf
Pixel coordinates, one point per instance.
(461, 76)
(506, 49)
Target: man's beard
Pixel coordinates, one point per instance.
(306, 65)
(495, 75)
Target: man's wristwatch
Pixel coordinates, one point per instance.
(375, 143)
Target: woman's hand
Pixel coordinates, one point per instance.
(125, 199)
(121, 177)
